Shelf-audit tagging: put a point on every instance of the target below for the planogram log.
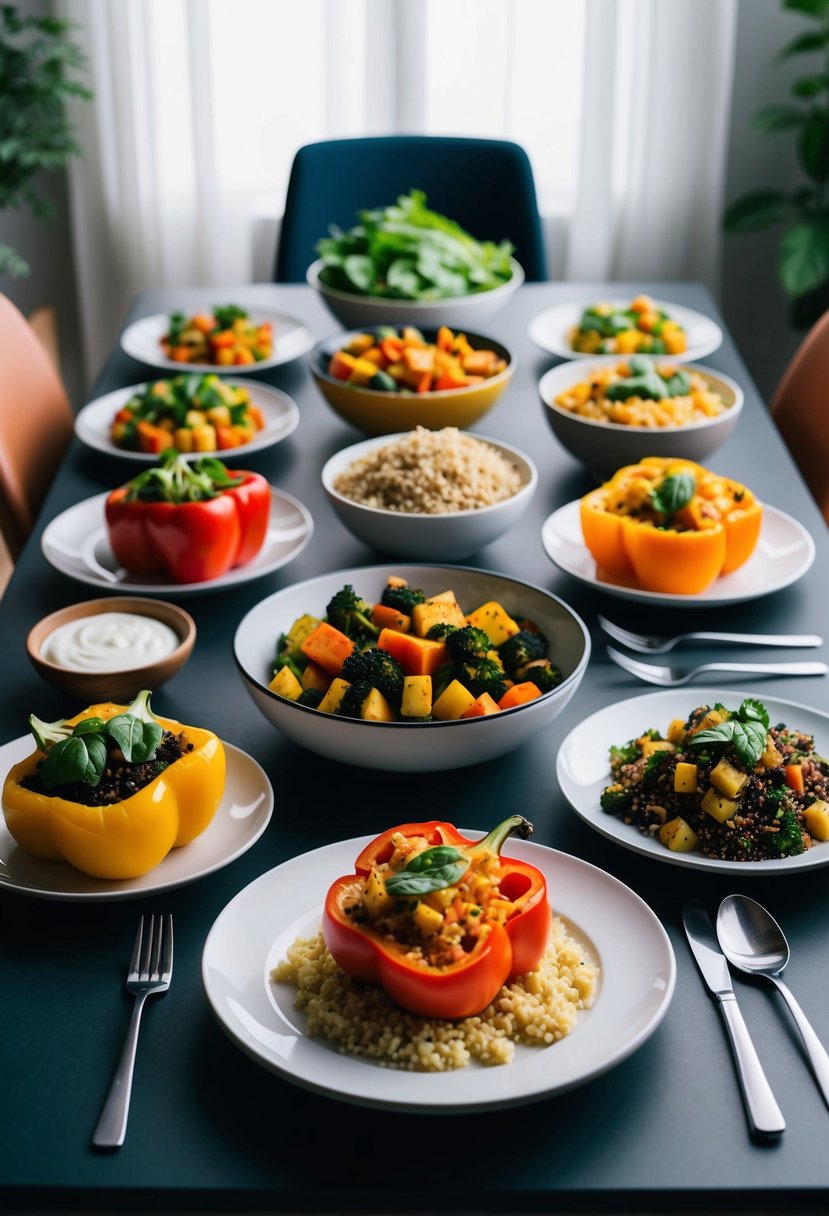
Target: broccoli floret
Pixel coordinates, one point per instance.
(378, 669)
(310, 696)
(483, 675)
(286, 659)
(351, 705)
(544, 674)
(614, 799)
(440, 631)
(522, 648)
(788, 842)
(653, 764)
(402, 599)
(468, 643)
(626, 754)
(349, 613)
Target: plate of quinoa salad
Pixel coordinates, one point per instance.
(600, 991)
(711, 779)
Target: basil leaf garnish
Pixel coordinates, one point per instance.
(432, 870)
(137, 740)
(745, 731)
(752, 710)
(674, 493)
(89, 726)
(80, 758)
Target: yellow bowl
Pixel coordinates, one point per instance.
(387, 413)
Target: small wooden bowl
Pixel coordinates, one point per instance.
(119, 686)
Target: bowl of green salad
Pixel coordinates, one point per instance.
(407, 265)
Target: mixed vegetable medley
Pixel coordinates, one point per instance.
(641, 328)
(227, 337)
(191, 413)
(726, 782)
(640, 392)
(408, 252)
(403, 361)
(412, 658)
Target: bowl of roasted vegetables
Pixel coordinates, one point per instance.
(190, 413)
(392, 378)
(406, 264)
(408, 667)
(612, 412)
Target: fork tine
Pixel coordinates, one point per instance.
(625, 661)
(621, 635)
(136, 950)
(146, 953)
(154, 966)
(649, 672)
(167, 957)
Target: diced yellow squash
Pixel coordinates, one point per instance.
(375, 896)
(204, 438)
(300, 629)
(676, 731)
(649, 746)
(362, 372)
(712, 718)
(359, 344)
(816, 819)
(285, 684)
(315, 677)
(183, 439)
(428, 920)
(336, 691)
(195, 418)
(219, 415)
(718, 807)
(678, 835)
(495, 621)
(452, 702)
(436, 612)
(441, 899)
(417, 697)
(376, 708)
(770, 757)
(443, 597)
(728, 779)
(685, 778)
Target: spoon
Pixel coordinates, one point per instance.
(753, 942)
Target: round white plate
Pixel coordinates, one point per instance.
(583, 769)
(94, 422)
(243, 815)
(291, 340)
(784, 553)
(254, 931)
(76, 543)
(550, 328)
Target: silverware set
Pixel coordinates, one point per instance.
(750, 939)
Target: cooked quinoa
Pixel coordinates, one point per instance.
(430, 473)
(536, 1010)
(588, 399)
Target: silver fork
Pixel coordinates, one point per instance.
(645, 643)
(671, 677)
(151, 969)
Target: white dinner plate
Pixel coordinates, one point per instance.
(785, 551)
(243, 815)
(550, 329)
(291, 340)
(583, 769)
(76, 543)
(93, 424)
(253, 933)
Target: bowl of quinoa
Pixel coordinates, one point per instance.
(432, 495)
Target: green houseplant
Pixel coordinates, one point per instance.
(38, 67)
(803, 252)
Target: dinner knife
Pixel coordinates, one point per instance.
(764, 1115)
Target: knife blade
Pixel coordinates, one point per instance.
(764, 1115)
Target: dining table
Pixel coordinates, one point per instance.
(210, 1129)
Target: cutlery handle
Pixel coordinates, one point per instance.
(761, 639)
(764, 1115)
(112, 1125)
(814, 1048)
(773, 669)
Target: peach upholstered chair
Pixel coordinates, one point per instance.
(35, 425)
(800, 409)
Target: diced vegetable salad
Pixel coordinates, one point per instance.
(226, 337)
(725, 782)
(412, 658)
(641, 328)
(403, 361)
(191, 413)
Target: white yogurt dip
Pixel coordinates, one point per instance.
(109, 641)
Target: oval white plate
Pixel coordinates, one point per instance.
(784, 553)
(76, 543)
(243, 815)
(583, 769)
(253, 933)
(550, 328)
(94, 422)
(291, 340)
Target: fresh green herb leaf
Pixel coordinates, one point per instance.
(46, 734)
(650, 387)
(432, 870)
(673, 493)
(226, 314)
(745, 731)
(79, 758)
(752, 710)
(89, 726)
(137, 740)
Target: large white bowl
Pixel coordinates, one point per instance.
(445, 538)
(607, 446)
(411, 746)
(458, 312)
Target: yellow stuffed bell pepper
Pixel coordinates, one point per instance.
(669, 526)
(127, 838)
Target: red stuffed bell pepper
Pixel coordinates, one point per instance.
(191, 521)
(441, 922)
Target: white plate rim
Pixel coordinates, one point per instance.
(315, 1065)
(672, 703)
(715, 596)
(156, 325)
(108, 890)
(257, 568)
(571, 310)
(281, 420)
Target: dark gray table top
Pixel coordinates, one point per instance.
(208, 1126)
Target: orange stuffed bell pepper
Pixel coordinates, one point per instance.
(441, 922)
(113, 789)
(669, 526)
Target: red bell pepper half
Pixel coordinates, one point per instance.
(193, 522)
(501, 952)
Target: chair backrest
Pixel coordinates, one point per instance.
(486, 185)
(35, 425)
(800, 408)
